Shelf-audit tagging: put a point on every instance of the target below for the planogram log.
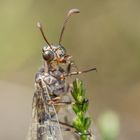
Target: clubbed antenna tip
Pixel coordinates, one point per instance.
(39, 25)
(73, 11)
(42, 32)
(70, 13)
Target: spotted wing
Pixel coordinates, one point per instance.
(45, 124)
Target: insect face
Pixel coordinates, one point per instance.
(61, 54)
(54, 53)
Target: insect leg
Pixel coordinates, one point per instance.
(69, 68)
(80, 72)
(71, 65)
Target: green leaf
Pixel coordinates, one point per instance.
(74, 94)
(87, 123)
(78, 125)
(76, 108)
(81, 123)
(80, 115)
(77, 86)
(83, 91)
(84, 137)
(80, 99)
(84, 107)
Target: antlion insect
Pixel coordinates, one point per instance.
(50, 86)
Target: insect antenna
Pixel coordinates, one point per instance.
(70, 13)
(42, 32)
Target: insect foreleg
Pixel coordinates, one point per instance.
(71, 65)
(80, 72)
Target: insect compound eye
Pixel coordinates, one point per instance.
(48, 55)
(61, 51)
(45, 48)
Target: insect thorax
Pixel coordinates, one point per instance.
(55, 84)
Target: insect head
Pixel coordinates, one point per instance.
(52, 53)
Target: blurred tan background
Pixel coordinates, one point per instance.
(106, 33)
